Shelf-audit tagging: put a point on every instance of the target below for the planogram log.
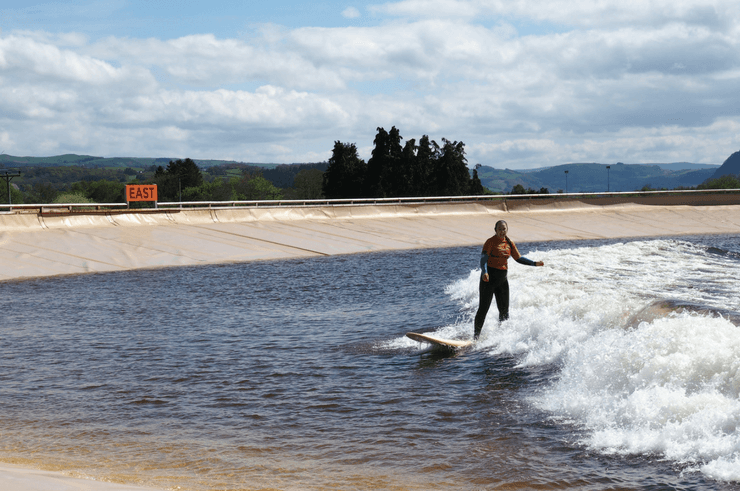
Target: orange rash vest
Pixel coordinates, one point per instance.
(499, 251)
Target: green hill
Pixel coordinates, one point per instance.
(731, 166)
(581, 177)
(594, 178)
(10, 161)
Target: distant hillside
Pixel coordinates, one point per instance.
(42, 178)
(582, 177)
(593, 177)
(683, 166)
(10, 161)
(731, 166)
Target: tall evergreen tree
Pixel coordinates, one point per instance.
(387, 171)
(345, 175)
(426, 153)
(396, 174)
(188, 172)
(476, 187)
(376, 166)
(411, 165)
(451, 177)
(396, 170)
(179, 175)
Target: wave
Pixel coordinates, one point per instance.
(644, 336)
(664, 307)
(668, 387)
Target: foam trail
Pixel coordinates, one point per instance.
(669, 387)
(638, 374)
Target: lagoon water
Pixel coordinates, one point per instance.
(619, 369)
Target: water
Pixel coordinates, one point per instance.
(619, 369)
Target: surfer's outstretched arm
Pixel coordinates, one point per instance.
(529, 262)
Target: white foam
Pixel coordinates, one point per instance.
(450, 331)
(668, 386)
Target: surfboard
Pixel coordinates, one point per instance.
(447, 343)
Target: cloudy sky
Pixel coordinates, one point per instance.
(524, 83)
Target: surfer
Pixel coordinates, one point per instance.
(493, 281)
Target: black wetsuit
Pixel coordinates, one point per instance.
(498, 285)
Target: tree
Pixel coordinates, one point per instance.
(725, 182)
(373, 182)
(16, 196)
(221, 189)
(216, 190)
(308, 183)
(476, 187)
(396, 175)
(423, 167)
(179, 175)
(187, 171)
(256, 187)
(42, 193)
(388, 172)
(102, 191)
(411, 167)
(72, 198)
(216, 171)
(346, 172)
(396, 170)
(451, 177)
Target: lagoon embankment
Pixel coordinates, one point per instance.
(49, 242)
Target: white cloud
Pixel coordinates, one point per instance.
(207, 61)
(590, 14)
(350, 13)
(632, 82)
(31, 60)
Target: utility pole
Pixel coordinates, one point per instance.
(607, 177)
(7, 178)
(566, 182)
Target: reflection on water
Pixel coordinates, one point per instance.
(297, 374)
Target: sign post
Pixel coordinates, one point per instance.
(141, 192)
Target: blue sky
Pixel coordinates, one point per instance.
(524, 84)
(173, 19)
(224, 18)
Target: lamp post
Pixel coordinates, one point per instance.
(566, 182)
(607, 177)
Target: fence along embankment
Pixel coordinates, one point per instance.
(48, 242)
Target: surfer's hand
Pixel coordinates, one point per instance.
(539, 263)
(485, 276)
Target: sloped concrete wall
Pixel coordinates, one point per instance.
(33, 245)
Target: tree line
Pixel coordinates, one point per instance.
(395, 170)
(182, 180)
(179, 179)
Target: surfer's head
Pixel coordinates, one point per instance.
(501, 228)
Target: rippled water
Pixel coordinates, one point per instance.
(619, 368)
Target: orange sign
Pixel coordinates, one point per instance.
(141, 192)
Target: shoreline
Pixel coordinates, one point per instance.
(16, 477)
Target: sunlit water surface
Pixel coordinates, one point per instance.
(619, 369)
